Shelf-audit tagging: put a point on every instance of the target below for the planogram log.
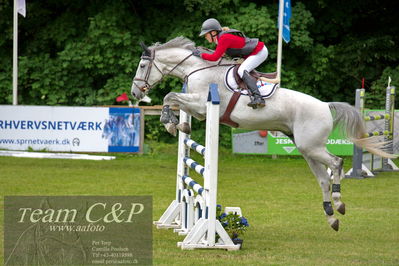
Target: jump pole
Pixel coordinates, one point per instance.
(359, 170)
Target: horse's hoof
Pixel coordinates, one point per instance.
(335, 225)
(333, 222)
(171, 128)
(164, 119)
(184, 127)
(341, 208)
(173, 119)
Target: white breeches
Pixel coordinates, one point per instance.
(253, 61)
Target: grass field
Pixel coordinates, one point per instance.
(280, 198)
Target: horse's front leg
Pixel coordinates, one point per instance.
(189, 103)
(171, 122)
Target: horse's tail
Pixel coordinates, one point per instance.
(352, 124)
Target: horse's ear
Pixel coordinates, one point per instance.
(147, 51)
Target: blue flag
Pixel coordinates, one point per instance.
(286, 21)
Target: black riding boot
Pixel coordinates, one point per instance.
(256, 98)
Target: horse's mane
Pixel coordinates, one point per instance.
(178, 42)
(185, 43)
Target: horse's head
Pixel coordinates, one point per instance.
(147, 74)
(160, 60)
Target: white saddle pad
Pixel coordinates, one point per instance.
(266, 89)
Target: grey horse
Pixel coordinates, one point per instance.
(305, 119)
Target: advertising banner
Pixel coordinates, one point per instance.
(280, 144)
(76, 129)
(275, 142)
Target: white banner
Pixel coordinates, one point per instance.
(21, 7)
(78, 129)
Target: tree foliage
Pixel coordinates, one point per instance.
(86, 52)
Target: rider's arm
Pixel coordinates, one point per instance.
(223, 44)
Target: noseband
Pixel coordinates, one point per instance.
(151, 58)
(147, 86)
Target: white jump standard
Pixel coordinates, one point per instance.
(195, 215)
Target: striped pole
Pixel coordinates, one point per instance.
(378, 133)
(194, 185)
(194, 165)
(195, 146)
(377, 117)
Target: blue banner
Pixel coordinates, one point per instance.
(286, 21)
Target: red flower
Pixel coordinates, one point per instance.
(122, 98)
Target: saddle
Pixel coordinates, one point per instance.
(268, 77)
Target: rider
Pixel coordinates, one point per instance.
(235, 44)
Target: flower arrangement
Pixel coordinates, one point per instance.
(234, 224)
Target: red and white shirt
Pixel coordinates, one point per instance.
(227, 41)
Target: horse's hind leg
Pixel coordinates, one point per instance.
(338, 172)
(320, 171)
(335, 163)
(311, 143)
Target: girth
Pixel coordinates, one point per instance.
(225, 118)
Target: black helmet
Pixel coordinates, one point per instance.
(209, 25)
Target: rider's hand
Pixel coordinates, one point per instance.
(197, 52)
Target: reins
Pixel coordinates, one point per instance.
(151, 58)
(147, 75)
(203, 68)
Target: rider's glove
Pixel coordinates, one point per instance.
(197, 52)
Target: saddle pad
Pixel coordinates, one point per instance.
(266, 89)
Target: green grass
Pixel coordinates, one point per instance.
(280, 198)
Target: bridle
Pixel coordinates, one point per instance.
(151, 58)
(150, 55)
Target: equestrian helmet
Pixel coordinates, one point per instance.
(209, 25)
